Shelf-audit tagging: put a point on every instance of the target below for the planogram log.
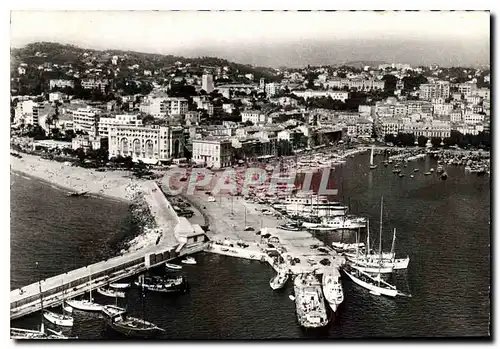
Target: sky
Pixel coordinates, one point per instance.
(270, 38)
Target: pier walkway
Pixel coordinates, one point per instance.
(77, 282)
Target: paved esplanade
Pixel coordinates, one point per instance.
(76, 282)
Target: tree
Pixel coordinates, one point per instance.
(248, 123)
(390, 82)
(389, 138)
(148, 119)
(436, 141)
(422, 141)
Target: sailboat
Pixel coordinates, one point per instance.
(59, 319)
(118, 319)
(21, 333)
(376, 285)
(83, 304)
(372, 166)
(368, 262)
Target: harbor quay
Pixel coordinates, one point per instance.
(178, 237)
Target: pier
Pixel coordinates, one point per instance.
(178, 238)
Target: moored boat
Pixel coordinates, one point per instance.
(189, 260)
(173, 266)
(84, 305)
(58, 319)
(375, 285)
(120, 286)
(109, 292)
(159, 284)
(309, 302)
(332, 288)
(118, 319)
(279, 280)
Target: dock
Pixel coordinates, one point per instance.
(178, 238)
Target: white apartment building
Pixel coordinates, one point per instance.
(207, 82)
(271, 89)
(456, 116)
(176, 105)
(483, 93)
(56, 96)
(61, 83)
(160, 107)
(192, 118)
(85, 119)
(105, 124)
(364, 128)
(472, 129)
(400, 110)
(389, 126)
(358, 84)
(472, 118)
(473, 99)
(255, 116)
(442, 109)
(466, 89)
(147, 144)
(418, 107)
(348, 117)
(440, 89)
(24, 112)
(456, 96)
(90, 84)
(336, 95)
(212, 152)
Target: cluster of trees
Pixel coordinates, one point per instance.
(481, 140)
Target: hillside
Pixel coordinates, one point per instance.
(69, 54)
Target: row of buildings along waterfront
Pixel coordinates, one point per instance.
(230, 116)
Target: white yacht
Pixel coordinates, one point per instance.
(332, 288)
(337, 222)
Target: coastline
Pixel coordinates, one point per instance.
(116, 185)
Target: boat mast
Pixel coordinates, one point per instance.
(143, 295)
(367, 249)
(392, 247)
(42, 329)
(90, 287)
(357, 244)
(380, 238)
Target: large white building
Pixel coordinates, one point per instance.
(440, 89)
(358, 84)
(207, 82)
(428, 129)
(123, 119)
(147, 144)
(466, 89)
(160, 107)
(61, 83)
(212, 152)
(336, 95)
(90, 84)
(255, 116)
(271, 89)
(85, 119)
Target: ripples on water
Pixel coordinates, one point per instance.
(442, 225)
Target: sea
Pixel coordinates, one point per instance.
(442, 225)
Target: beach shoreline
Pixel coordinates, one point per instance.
(116, 185)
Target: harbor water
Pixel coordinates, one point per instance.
(444, 226)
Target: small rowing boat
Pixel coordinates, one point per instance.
(120, 286)
(189, 260)
(173, 266)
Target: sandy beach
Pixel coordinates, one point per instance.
(118, 185)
